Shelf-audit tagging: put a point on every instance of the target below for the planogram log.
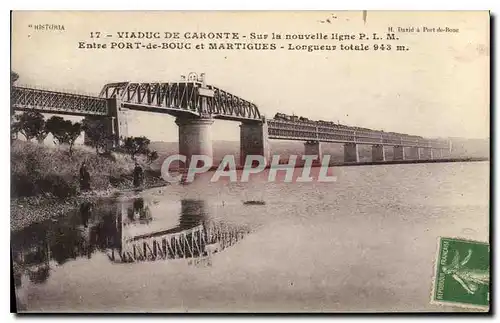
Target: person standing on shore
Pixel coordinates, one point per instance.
(138, 175)
(85, 212)
(84, 178)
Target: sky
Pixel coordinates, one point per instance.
(438, 88)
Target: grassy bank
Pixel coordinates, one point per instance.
(45, 179)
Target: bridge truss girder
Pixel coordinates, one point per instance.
(309, 131)
(31, 99)
(190, 97)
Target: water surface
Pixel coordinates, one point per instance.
(366, 242)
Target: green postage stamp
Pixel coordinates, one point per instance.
(462, 273)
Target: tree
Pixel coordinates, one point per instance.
(39, 274)
(56, 126)
(136, 145)
(73, 131)
(14, 129)
(152, 156)
(42, 134)
(96, 131)
(31, 124)
(64, 131)
(13, 77)
(14, 126)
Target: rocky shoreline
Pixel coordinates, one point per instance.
(27, 210)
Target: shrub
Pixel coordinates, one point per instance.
(37, 169)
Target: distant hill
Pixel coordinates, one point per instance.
(461, 148)
(479, 148)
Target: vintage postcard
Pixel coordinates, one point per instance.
(257, 161)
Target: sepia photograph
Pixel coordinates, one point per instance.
(250, 161)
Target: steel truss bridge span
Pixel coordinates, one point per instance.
(321, 132)
(47, 101)
(182, 97)
(177, 98)
(194, 99)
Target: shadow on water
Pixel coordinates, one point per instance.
(102, 228)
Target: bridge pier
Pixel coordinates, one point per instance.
(378, 153)
(195, 137)
(313, 148)
(414, 153)
(115, 125)
(254, 140)
(106, 124)
(399, 153)
(351, 153)
(426, 153)
(119, 121)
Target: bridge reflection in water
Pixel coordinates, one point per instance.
(109, 228)
(196, 236)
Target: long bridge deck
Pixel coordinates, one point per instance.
(173, 98)
(329, 132)
(197, 100)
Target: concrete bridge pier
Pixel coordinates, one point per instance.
(195, 137)
(115, 125)
(420, 153)
(378, 153)
(254, 140)
(313, 148)
(351, 153)
(413, 153)
(399, 153)
(426, 153)
(119, 120)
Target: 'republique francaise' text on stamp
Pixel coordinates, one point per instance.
(462, 273)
